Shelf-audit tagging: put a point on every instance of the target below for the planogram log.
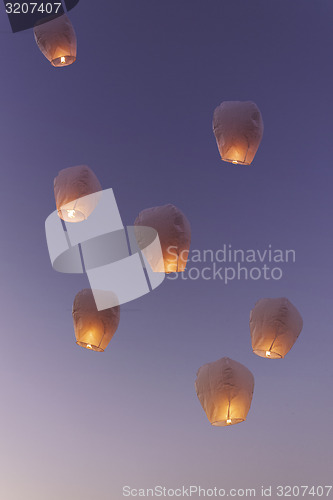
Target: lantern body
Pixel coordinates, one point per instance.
(57, 40)
(238, 129)
(71, 187)
(275, 325)
(225, 389)
(93, 329)
(174, 233)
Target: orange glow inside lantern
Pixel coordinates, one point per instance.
(237, 155)
(92, 339)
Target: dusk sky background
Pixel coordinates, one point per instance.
(137, 108)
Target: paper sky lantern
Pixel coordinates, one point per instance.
(238, 129)
(71, 189)
(93, 329)
(174, 233)
(57, 40)
(225, 389)
(275, 325)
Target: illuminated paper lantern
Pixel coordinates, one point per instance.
(238, 129)
(57, 40)
(225, 389)
(93, 329)
(174, 233)
(275, 325)
(71, 189)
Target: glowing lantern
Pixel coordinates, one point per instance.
(57, 40)
(174, 233)
(93, 329)
(238, 129)
(225, 389)
(71, 189)
(275, 325)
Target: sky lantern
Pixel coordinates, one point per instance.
(57, 40)
(225, 389)
(93, 329)
(275, 325)
(174, 233)
(238, 129)
(72, 188)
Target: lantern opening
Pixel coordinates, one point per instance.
(63, 61)
(91, 347)
(235, 162)
(228, 422)
(267, 354)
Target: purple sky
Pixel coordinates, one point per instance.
(137, 108)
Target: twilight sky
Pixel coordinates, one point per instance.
(137, 108)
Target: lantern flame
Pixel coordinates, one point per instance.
(71, 213)
(89, 346)
(235, 162)
(63, 60)
(228, 421)
(268, 354)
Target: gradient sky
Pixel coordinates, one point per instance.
(137, 108)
